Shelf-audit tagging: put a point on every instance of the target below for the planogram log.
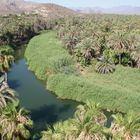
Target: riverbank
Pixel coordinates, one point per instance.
(118, 91)
(45, 55)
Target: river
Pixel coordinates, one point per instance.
(45, 107)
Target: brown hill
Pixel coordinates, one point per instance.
(53, 10)
(11, 6)
(19, 6)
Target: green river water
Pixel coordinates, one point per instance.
(44, 106)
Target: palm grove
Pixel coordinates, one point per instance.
(15, 121)
(109, 40)
(100, 41)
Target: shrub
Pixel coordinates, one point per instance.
(105, 67)
(69, 70)
(6, 50)
(58, 63)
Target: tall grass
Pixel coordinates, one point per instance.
(45, 55)
(119, 91)
(58, 63)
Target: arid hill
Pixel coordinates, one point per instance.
(53, 10)
(20, 6)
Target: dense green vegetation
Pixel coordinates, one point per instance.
(102, 66)
(109, 39)
(89, 123)
(6, 58)
(14, 123)
(18, 29)
(112, 91)
(73, 60)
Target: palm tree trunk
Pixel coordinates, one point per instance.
(127, 136)
(120, 58)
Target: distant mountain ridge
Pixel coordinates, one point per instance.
(19, 6)
(126, 10)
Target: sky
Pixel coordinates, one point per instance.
(92, 3)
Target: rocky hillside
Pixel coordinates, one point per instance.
(19, 6)
(53, 10)
(11, 6)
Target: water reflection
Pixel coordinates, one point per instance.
(45, 107)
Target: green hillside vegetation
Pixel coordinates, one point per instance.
(117, 91)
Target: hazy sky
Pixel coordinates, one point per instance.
(92, 3)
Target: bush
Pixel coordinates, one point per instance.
(68, 70)
(105, 67)
(6, 50)
(58, 63)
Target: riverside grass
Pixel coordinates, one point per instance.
(42, 50)
(118, 91)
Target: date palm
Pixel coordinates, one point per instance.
(57, 132)
(88, 123)
(126, 126)
(84, 49)
(14, 123)
(71, 38)
(136, 57)
(5, 62)
(132, 41)
(105, 66)
(118, 43)
(7, 95)
(6, 58)
(88, 49)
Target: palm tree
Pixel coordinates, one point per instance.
(5, 62)
(14, 123)
(84, 50)
(136, 58)
(126, 126)
(117, 42)
(87, 124)
(6, 58)
(7, 95)
(88, 49)
(132, 41)
(71, 39)
(57, 132)
(105, 67)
